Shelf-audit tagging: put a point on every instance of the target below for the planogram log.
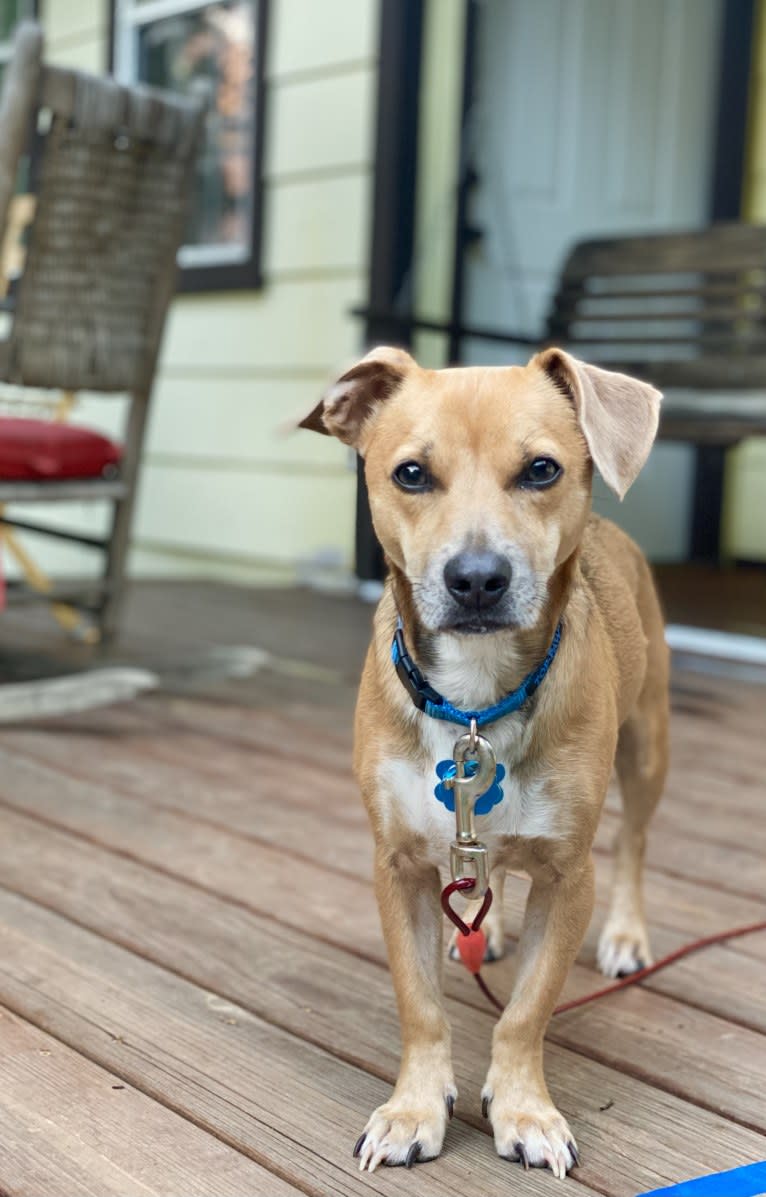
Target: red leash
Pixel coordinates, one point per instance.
(472, 942)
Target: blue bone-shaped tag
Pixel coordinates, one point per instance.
(487, 800)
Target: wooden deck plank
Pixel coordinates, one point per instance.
(226, 745)
(201, 937)
(683, 908)
(691, 857)
(261, 1088)
(222, 778)
(70, 1126)
(737, 753)
(144, 735)
(174, 842)
(227, 1068)
(699, 705)
(738, 870)
(186, 816)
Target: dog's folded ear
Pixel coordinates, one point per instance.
(618, 415)
(346, 406)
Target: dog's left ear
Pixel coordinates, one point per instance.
(618, 415)
(346, 406)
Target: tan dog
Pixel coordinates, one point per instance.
(480, 489)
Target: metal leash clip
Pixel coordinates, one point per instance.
(468, 856)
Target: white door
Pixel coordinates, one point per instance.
(593, 118)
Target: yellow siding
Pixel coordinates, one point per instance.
(76, 33)
(223, 490)
(318, 226)
(310, 36)
(242, 423)
(289, 326)
(745, 507)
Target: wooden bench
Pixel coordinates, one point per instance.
(685, 311)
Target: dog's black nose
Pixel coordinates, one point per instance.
(477, 579)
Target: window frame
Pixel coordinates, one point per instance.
(204, 268)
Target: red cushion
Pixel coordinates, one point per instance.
(45, 449)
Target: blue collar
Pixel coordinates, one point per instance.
(432, 703)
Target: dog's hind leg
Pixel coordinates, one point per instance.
(494, 924)
(641, 762)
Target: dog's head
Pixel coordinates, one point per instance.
(480, 478)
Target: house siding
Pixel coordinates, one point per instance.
(224, 489)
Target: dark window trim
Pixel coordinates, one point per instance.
(735, 70)
(729, 158)
(465, 233)
(232, 276)
(393, 218)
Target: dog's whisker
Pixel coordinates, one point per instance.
(413, 1155)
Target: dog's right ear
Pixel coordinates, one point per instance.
(347, 405)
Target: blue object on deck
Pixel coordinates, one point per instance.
(749, 1181)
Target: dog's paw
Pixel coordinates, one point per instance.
(532, 1132)
(404, 1132)
(622, 952)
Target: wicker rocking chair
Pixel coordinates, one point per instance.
(111, 169)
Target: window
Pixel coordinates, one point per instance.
(212, 49)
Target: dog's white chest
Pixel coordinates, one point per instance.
(525, 811)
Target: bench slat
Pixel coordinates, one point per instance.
(570, 292)
(719, 249)
(706, 331)
(734, 315)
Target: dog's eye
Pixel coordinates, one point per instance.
(543, 471)
(410, 475)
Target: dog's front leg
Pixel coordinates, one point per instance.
(526, 1124)
(411, 1124)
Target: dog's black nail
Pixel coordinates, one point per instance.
(449, 1099)
(485, 1106)
(521, 1152)
(413, 1155)
(574, 1153)
(359, 1145)
(629, 972)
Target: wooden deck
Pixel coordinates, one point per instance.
(193, 990)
